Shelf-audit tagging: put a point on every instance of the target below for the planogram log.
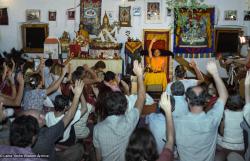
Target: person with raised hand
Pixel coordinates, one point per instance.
(198, 129)
(34, 98)
(142, 144)
(48, 136)
(246, 114)
(111, 135)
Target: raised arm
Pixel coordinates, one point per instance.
(222, 91)
(77, 93)
(138, 70)
(57, 83)
(247, 88)
(150, 47)
(19, 96)
(197, 71)
(84, 108)
(166, 107)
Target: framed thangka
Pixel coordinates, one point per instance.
(124, 16)
(194, 32)
(90, 15)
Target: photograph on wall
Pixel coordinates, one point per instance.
(124, 16)
(246, 15)
(71, 15)
(196, 35)
(230, 15)
(52, 15)
(4, 20)
(33, 15)
(136, 11)
(110, 15)
(154, 11)
(90, 15)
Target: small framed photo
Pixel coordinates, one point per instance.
(154, 11)
(4, 20)
(52, 15)
(33, 15)
(230, 15)
(136, 11)
(124, 16)
(111, 15)
(169, 12)
(71, 15)
(247, 15)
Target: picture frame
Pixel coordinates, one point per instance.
(230, 15)
(136, 11)
(169, 12)
(91, 16)
(4, 20)
(111, 15)
(52, 15)
(124, 16)
(199, 42)
(71, 14)
(247, 15)
(154, 11)
(33, 15)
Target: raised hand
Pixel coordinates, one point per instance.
(77, 90)
(138, 69)
(165, 102)
(212, 68)
(65, 70)
(153, 40)
(192, 64)
(247, 80)
(19, 78)
(13, 65)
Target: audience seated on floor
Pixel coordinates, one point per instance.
(99, 118)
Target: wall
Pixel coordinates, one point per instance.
(10, 36)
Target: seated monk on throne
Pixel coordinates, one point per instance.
(155, 76)
(156, 63)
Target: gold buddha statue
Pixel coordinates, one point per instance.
(82, 36)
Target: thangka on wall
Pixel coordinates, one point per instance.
(196, 35)
(90, 15)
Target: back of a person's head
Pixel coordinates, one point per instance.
(35, 80)
(235, 102)
(100, 65)
(23, 130)
(180, 71)
(177, 88)
(141, 146)
(80, 69)
(48, 62)
(113, 103)
(109, 75)
(61, 102)
(76, 75)
(196, 96)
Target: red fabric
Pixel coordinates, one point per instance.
(166, 155)
(75, 50)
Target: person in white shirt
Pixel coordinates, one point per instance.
(180, 74)
(61, 106)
